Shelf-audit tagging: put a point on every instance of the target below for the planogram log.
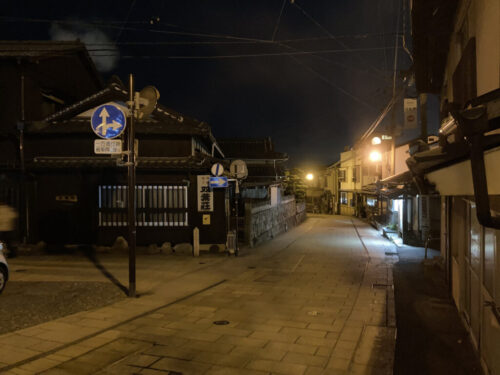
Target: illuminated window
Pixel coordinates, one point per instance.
(343, 197)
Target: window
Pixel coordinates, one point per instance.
(490, 243)
(356, 174)
(157, 205)
(342, 175)
(343, 197)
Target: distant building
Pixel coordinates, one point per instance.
(266, 167)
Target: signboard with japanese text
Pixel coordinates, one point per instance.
(205, 194)
(410, 107)
(107, 146)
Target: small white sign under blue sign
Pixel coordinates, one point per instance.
(108, 121)
(218, 182)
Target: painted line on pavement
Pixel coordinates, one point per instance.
(300, 261)
(64, 346)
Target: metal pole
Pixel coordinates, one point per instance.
(23, 201)
(131, 192)
(237, 217)
(423, 117)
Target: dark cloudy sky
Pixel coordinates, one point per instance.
(233, 64)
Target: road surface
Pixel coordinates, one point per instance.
(316, 300)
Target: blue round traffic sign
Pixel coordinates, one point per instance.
(108, 121)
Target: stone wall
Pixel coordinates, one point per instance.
(264, 221)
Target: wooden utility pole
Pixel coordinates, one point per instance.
(423, 116)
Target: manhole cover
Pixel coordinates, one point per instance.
(221, 322)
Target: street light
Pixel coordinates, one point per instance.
(376, 141)
(375, 156)
(309, 177)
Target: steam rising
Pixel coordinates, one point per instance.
(103, 51)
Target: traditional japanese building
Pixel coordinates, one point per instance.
(457, 55)
(74, 196)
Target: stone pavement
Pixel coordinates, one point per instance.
(316, 300)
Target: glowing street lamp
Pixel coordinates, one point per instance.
(375, 156)
(376, 141)
(309, 177)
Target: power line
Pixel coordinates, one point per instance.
(278, 21)
(396, 54)
(235, 56)
(326, 80)
(111, 52)
(126, 20)
(112, 25)
(321, 27)
(158, 31)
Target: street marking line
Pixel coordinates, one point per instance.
(298, 263)
(64, 346)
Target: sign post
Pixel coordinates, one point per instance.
(239, 170)
(131, 191)
(108, 122)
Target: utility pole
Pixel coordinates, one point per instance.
(131, 190)
(423, 116)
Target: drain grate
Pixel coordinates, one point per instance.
(391, 253)
(221, 322)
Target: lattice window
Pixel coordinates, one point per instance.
(156, 205)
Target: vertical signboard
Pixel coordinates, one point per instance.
(205, 194)
(410, 106)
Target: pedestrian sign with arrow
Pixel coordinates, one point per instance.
(108, 121)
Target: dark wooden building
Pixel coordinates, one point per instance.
(76, 197)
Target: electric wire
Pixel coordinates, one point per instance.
(278, 20)
(396, 53)
(321, 27)
(126, 20)
(111, 52)
(113, 25)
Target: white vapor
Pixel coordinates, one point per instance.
(93, 39)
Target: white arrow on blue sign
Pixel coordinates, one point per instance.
(108, 121)
(218, 182)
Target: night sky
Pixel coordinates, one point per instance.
(232, 64)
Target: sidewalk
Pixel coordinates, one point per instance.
(431, 337)
(312, 301)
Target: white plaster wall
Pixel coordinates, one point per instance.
(457, 179)
(487, 31)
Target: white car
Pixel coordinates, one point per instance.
(4, 268)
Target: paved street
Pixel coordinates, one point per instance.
(316, 300)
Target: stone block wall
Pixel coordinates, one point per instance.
(264, 222)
